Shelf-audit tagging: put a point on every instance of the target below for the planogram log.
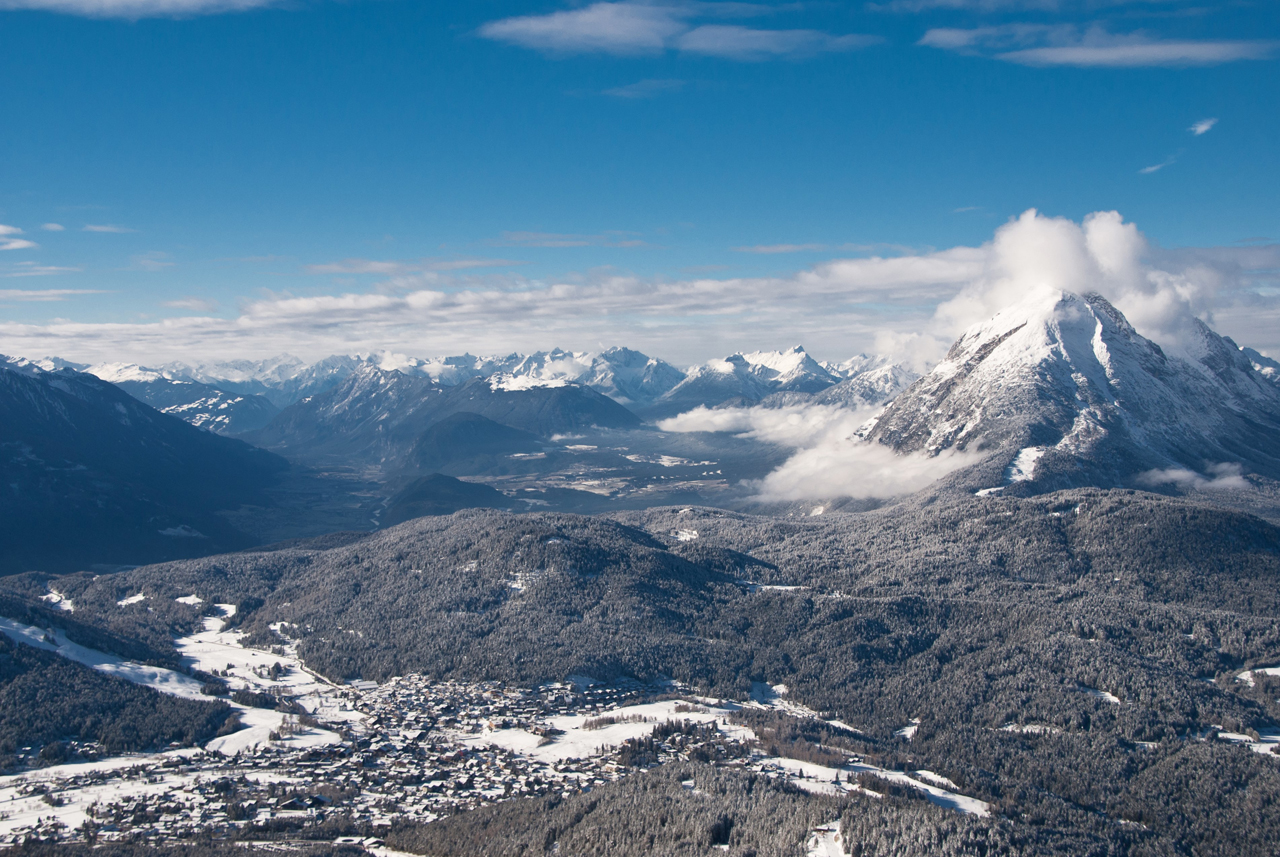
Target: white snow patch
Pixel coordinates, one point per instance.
(193, 600)
(1247, 675)
(1102, 694)
(182, 531)
(59, 601)
(685, 535)
(510, 383)
(825, 842)
(156, 678)
(909, 731)
(577, 742)
(1024, 464)
(1265, 745)
(1031, 729)
(936, 779)
(132, 599)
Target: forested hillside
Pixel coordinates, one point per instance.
(1069, 659)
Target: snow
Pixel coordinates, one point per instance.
(117, 372)
(816, 510)
(685, 535)
(59, 601)
(825, 842)
(1031, 729)
(578, 742)
(936, 779)
(1058, 359)
(132, 599)
(193, 600)
(1266, 744)
(1247, 675)
(510, 383)
(820, 779)
(1102, 694)
(909, 731)
(1024, 463)
(156, 678)
(182, 531)
(249, 669)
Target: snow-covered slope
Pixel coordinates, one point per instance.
(200, 404)
(868, 388)
(747, 378)
(1265, 366)
(1063, 391)
(792, 370)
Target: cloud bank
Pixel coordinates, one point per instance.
(909, 306)
(829, 460)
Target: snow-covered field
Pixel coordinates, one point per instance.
(216, 650)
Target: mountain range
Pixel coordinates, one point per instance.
(239, 396)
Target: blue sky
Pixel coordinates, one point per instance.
(229, 161)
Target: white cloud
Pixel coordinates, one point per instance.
(1203, 126)
(780, 248)
(614, 28)
(1136, 54)
(630, 28)
(396, 267)
(135, 9)
(830, 461)
(194, 304)
(52, 227)
(44, 295)
(853, 468)
(1009, 5)
(106, 227)
(31, 269)
(1220, 477)
(1068, 45)
(153, 261)
(1155, 168)
(744, 43)
(796, 427)
(7, 243)
(645, 89)
(557, 239)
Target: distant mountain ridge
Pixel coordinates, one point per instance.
(1062, 391)
(234, 397)
(377, 415)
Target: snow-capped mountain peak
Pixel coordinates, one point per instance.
(1068, 375)
(117, 372)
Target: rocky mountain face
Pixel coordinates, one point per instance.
(1062, 391)
(94, 475)
(201, 405)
